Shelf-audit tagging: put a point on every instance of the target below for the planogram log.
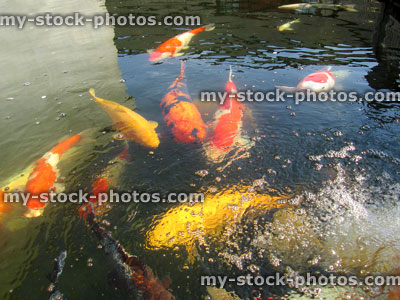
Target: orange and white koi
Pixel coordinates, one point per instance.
(175, 45)
(180, 114)
(226, 133)
(43, 177)
(321, 81)
(132, 125)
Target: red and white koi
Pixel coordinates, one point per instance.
(321, 81)
(175, 45)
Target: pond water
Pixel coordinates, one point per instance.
(337, 162)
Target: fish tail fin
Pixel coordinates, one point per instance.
(66, 144)
(230, 73)
(350, 7)
(287, 89)
(183, 67)
(209, 27)
(91, 92)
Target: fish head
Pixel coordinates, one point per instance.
(230, 88)
(157, 55)
(321, 81)
(153, 141)
(149, 138)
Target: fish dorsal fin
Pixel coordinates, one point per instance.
(153, 124)
(230, 73)
(91, 92)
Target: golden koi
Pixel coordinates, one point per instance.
(186, 224)
(132, 125)
(287, 26)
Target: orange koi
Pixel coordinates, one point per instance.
(4, 206)
(175, 45)
(103, 184)
(180, 114)
(41, 181)
(226, 133)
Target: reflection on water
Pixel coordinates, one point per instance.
(337, 161)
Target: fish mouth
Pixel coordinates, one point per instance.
(154, 56)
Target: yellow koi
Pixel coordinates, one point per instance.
(132, 125)
(186, 224)
(287, 26)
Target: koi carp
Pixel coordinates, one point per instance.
(132, 125)
(180, 114)
(321, 81)
(44, 175)
(226, 134)
(175, 45)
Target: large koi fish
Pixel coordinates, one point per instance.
(36, 180)
(180, 114)
(132, 125)
(226, 134)
(321, 81)
(43, 177)
(175, 45)
(186, 224)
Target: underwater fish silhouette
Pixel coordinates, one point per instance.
(306, 6)
(180, 114)
(132, 273)
(132, 125)
(186, 224)
(287, 26)
(107, 180)
(175, 45)
(321, 81)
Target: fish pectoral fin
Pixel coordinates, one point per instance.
(153, 124)
(287, 89)
(177, 54)
(59, 187)
(192, 252)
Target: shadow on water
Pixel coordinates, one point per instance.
(339, 160)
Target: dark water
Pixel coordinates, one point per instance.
(340, 159)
